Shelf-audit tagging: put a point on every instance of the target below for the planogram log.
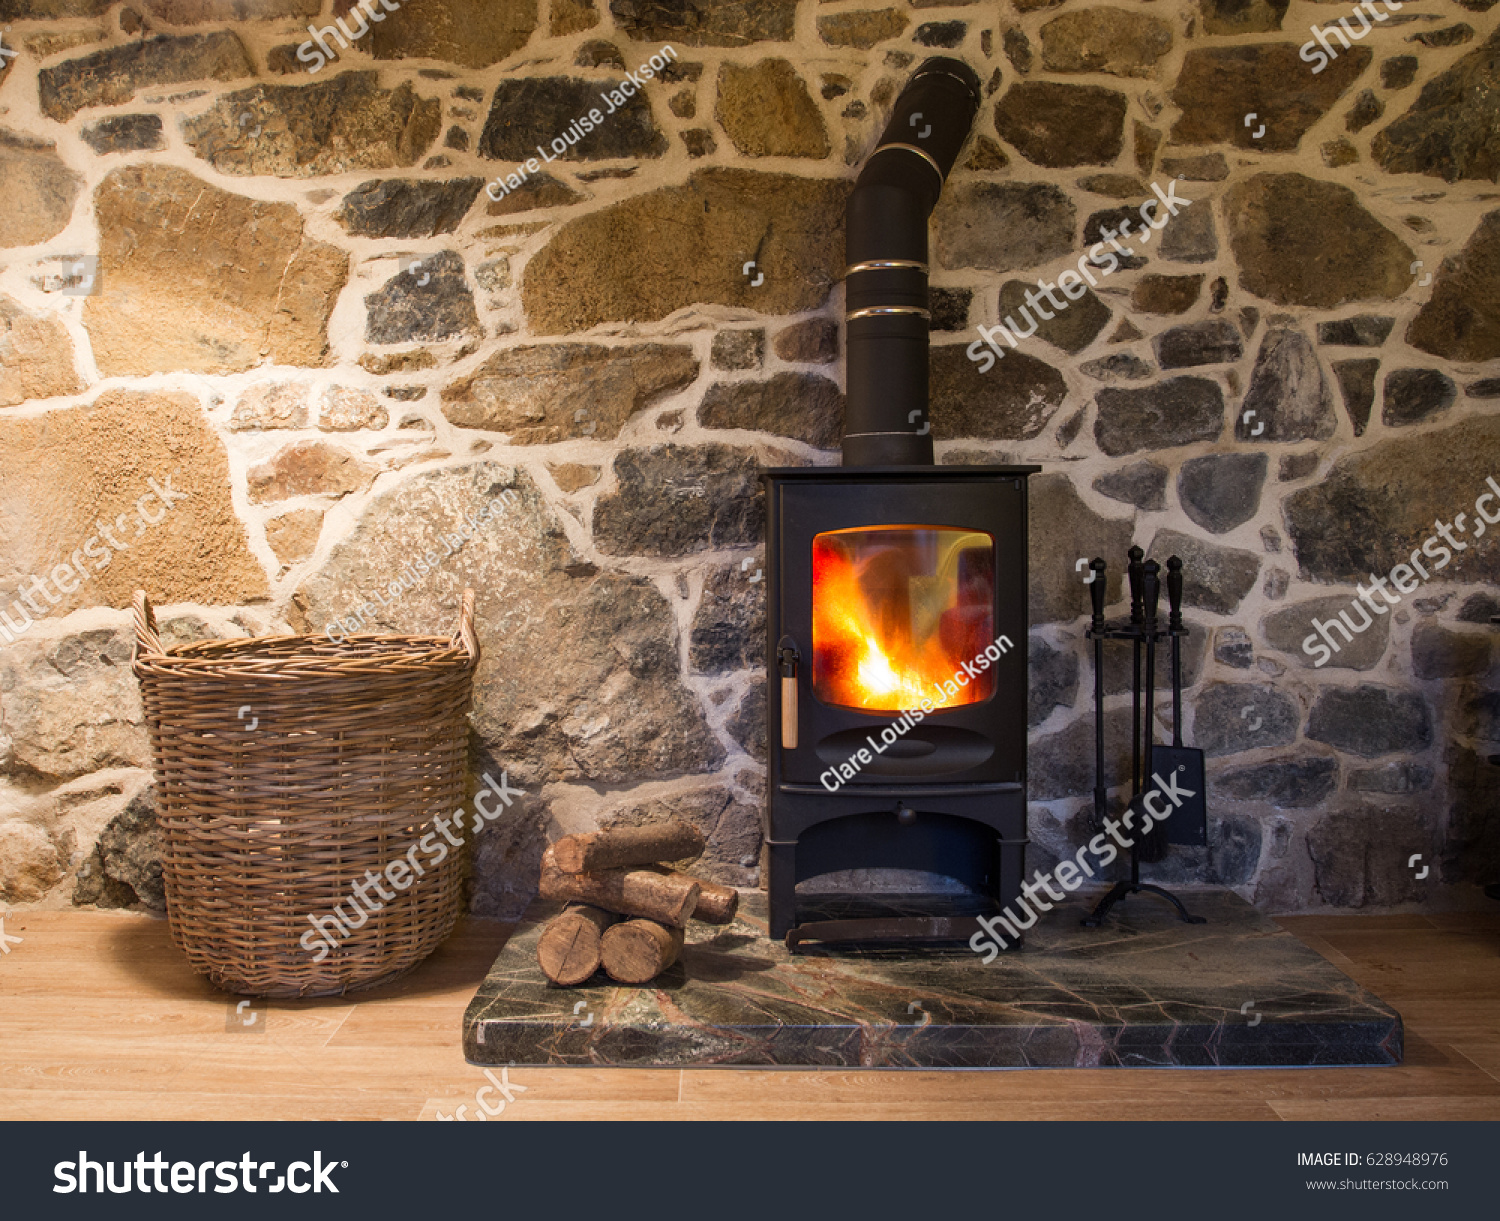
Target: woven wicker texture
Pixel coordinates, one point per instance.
(287, 767)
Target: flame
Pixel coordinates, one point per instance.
(897, 610)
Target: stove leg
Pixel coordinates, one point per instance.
(782, 887)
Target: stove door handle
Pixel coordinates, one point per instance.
(786, 663)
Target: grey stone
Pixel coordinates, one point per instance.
(1071, 329)
(1118, 367)
(125, 866)
(1292, 468)
(1062, 529)
(407, 207)
(1189, 236)
(1391, 778)
(705, 23)
(428, 302)
(1178, 411)
(1270, 540)
(1231, 858)
(340, 125)
(528, 112)
(816, 341)
(1014, 400)
(1061, 765)
(1413, 395)
(1302, 242)
(116, 74)
(1356, 379)
(1003, 226)
(1366, 109)
(124, 133)
(1054, 681)
(1287, 784)
(579, 674)
(748, 723)
(1214, 578)
(1448, 36)
(1119, 665)
(1142, 484)
(1452, 129)
(1461, 319)
(729, 628)
(1017, 49)
(1232, 717)
(940, 33)
(1222, 491)
(1484, 388)
(1360, 331)
(598, 52)
(552, 392)
(538, 191)
(1242, 16)
(1438, 653)
(1210, 342)
(1371, 721)
(803, 406)
(675, 501)
(1112, 220)
(1288, 392)
(1218, 86)
(1374, 508)
(738, 349)
(1286, 629)
(1398, 72)
(1059, 126)
(1359, 856)
(949, 308)
(1233, 648)
(1479, 608)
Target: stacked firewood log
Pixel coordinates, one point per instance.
(627, 910)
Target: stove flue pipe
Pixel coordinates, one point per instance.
(886, 278)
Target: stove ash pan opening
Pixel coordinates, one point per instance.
(896, 633)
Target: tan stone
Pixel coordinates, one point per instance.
(573, 16)
(104, 456)
(555, 391)
(570, 476)
(643, 258)
(1111, 40)
(200, 280)
(270, 405)
(40, 190)
(294, 536)
(397, 362)
(36, 356)
(766, 111)
(196, 12)
(861, 29)
(29, 864)
(310, 468)
(470, 33)
(345, 409)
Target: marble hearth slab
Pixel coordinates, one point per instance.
(1144, 991)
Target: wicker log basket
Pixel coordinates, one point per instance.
(286, 768)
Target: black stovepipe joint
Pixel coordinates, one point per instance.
(886, 421)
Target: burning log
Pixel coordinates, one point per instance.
(621, 846)
(569, 947)
(667, 898)
(637, 951)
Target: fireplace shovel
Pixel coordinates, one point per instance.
(1181, 765)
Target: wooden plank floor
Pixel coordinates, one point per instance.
(100, 1018)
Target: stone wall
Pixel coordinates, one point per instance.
(288, 294)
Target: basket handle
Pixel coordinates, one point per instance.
(465, 632)
(146, 639)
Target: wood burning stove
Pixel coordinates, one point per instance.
(897, 591)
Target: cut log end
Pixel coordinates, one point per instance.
(637, 951)
(569, 947)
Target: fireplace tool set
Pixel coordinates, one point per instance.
(1181, 793)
